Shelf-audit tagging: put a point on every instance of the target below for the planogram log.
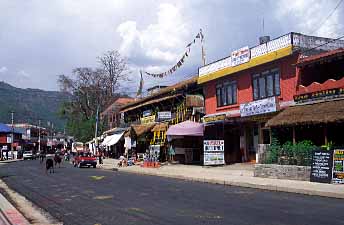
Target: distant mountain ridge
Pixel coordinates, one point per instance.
(29, 105)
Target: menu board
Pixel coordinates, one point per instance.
(214, 152)
(338, 166)
(321, 169)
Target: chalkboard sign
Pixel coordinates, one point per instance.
(338, 166)
(321, 169)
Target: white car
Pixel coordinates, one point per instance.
(28, 155)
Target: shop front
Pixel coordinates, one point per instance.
(243, 134)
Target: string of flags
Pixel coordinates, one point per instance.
(182, 59)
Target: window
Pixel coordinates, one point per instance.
(266, 84)
(226, 93)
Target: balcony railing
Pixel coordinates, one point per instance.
(305, 43)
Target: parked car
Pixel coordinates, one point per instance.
(28, 155)
(84, 159)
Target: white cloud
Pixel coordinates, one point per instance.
(309, 16)
(163, 40)
(3, 69)
(23, 74)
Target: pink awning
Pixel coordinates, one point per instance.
(187, 128)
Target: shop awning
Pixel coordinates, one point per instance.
(113, 139)
(186, 128)
(160, 127)
(316, 113)
(142, 128)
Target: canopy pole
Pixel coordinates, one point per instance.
(294, 135)
(325, 135)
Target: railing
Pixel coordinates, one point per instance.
(305, 43)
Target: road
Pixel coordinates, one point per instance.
(94, 196)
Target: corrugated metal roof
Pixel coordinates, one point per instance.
(4, 128)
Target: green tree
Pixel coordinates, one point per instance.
(91, 89)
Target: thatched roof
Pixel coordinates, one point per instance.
(151, 102)
(142, 128)
(316, 113)
(160, 127)
(163, 92)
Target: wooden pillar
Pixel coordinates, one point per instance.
(325, 135)
(294, 135)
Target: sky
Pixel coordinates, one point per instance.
(40, 39)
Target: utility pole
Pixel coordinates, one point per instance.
(39, 136)
(96, 131)
(12, 134)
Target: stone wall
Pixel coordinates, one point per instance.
(282, 171)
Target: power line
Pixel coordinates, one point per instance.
(321, 24)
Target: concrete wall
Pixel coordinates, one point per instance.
(282, 171)
(288, 83)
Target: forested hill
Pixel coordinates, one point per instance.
(29, 105)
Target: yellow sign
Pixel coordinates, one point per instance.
(148, 119)
(214, 118)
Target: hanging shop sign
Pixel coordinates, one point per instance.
(164, 115)
(147, 113)
(320, 95)
(240, 56)
(214, 152)
(338, 166)
(321, 168)
(148, 119)
(262, 106)
(214, 118)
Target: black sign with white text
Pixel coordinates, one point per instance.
(321, 169)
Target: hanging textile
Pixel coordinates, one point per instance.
(182, 59)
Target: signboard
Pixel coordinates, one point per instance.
(214, 118)
(262, 106)
(240, 56)
(214, 152)
(338, 166)
(321, 168)
(148, 119)
(165, 115)
(147, 113)
(323, 95)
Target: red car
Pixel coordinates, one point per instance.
(83, 159)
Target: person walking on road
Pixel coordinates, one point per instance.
(100, 155)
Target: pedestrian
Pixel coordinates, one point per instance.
(100, 159)
(171, 152)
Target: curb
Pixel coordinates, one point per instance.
(10, 214)
(10, 161)
(267, 187)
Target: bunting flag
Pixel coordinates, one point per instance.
(182, 59)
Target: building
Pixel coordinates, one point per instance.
(149, 118)
(6, 141)
(30, 136)
(110, 115)
(318, 114)
(243, 91)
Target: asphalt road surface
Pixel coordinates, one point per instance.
(94, 196)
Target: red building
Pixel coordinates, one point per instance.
(245, 90)
(318, 113)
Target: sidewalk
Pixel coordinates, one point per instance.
(234, 175)
(9, 215)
